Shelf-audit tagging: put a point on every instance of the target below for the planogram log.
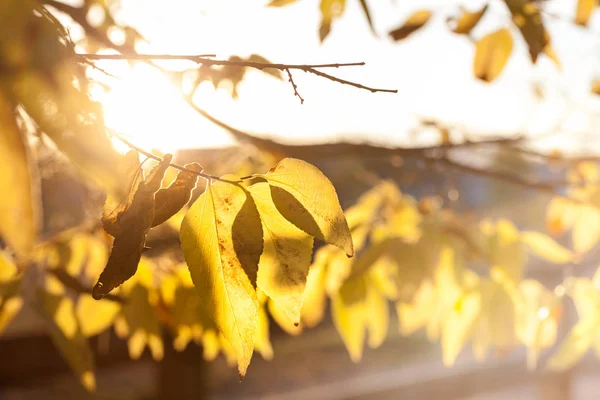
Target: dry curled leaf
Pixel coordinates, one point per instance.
(172, 199)
(135, 223)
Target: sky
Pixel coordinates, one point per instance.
(432, 70)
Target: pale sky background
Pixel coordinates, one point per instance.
(432, 69)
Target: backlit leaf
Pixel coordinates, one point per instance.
(457, 324)
(491, 54)
(20, 207)
(468, 20)
(282, 319)
(584, 11)
(262, 343)
(313, 306)
(330, 10)
(95, 316)
(285, 260)
(586, 229)
(59, 312)
(222, 240)
(347, 312)
(168, 201)
(280, 3)
(139, 323)
(414, 22)
(578, 341)
(527, 17)
(543, 246)
(306, 198)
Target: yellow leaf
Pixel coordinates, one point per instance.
(285, 260)
(468, 20)
(507, 251)
(584, 11)
(139, 322)
(95, 316)
(414, 22)
(457, 324)
(376, 317)
(306, 198)
(347, 309)
(262, 342)
(282, 319)
(491, 54)
(313, 306)
(560, 215)
(536, 323)
(595, 89)
(578, 341)
(414, 316)
(527, 17)
(330, 10)
(280, 3)
(543, 246)
(19, 185)
(9, 308)
(59, 312)
(586, 230)
(222, 240)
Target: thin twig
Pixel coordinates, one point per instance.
(176, 166)
(291, 80)
(345, 82)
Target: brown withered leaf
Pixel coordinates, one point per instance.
(527, 17)
(415, 22)
(134, 223)
(114, 208)
(468, 20)
(172, 199)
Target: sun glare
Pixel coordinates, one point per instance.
(148, 110)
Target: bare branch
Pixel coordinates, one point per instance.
(291, 80)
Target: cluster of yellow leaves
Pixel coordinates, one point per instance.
(239, 237)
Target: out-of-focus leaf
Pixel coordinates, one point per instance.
(578, 341)
(306, 198)
(560, 215)
(491, 54)
(20, 207)
(10, 285)
(285, 260)
(222, 240)
(527, 17)
(95, 316)
(59, 312)
(282, 319)
(415, 22)
(584, 11)
(468, 20)
(586, 229)
(330, 10)
(313, 306)
(377, 316)
(276, 73)
(457, 324)
(415, 315)
(536, 319)
(365, 9)
(262, 343)
(507, 251)
(139, 323)
(543, 246)
(347, 312)
(280, 3)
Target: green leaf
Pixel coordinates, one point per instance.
(543, 246)
(491, 54)
(415, 22)
(222, 240)
(285, 260)
(306, 198)
(59, 312)
(19, 185)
